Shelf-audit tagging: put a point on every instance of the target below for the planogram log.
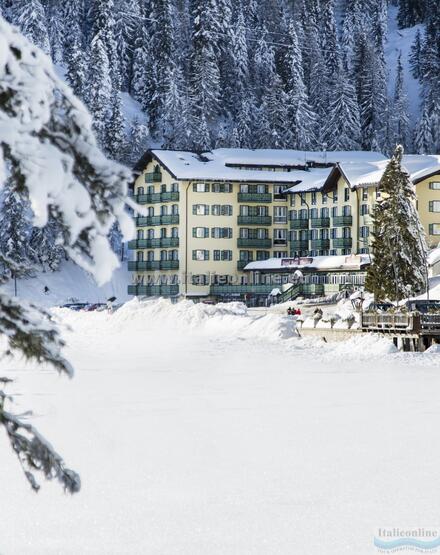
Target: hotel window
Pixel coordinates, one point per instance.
(377, 193)
(140, 191)
(175, 232)
(365, 209)
(292, 200)
(163, 232)
(151, 211)
(346, 210)
(263, 255)
(333, 252)
(314, 234)
(150, 234)
(150, 256)
(435, 185)
(434, 206)
(175, 209)
(313, 201)
(364, 231)
(280, 236)
(278, 192)
(201, 187)
(314, 213)
(334, 211)
(335, 196)
(324, 212)
(303, 214)
(222, 187)
(201, 210)
(334, 233)
(221, 233)
(200, 232)
(163, 188)
(346, 194)
(164, 210)
(434, 229)
(174, 187)
(173, 255)
(280, 214)
(280, 254)
(324, 198)
(200, 255)
(140, 234)
(140, 256)
(246, 255)
(346, 232)
(150, 189)
(163, 255)
(222, 255)
(364, 194)
(226, 210)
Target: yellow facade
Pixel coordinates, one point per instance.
(169, 256)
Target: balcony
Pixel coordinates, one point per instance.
(152, 265)
(320, 244)
(154, 290)
(341, 221)
(169, 264)
(280, 242)
(254, 197)
(254, 243)
(342, 243)
(299, 223)
(320, 222)
(241, 264)
(143, 265)
(142, 221)
(166, 243)
(153, 177)
(299, 245)
(155, 198)
(254, 220)
(237, 290)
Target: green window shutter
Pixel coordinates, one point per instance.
(206, 255)
(194, 209)
(194, 232)
(431, 206)
(206, 232)
(207, 186)
(194, 257)
(431, 229)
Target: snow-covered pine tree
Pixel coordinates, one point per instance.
(411, 12)
(15, 229)
(99, 87)
(116, 140)
(415, 56)
(399, 264)
(127, 17)
(55, 165)
(400, 116)
(301, 120)
(30, 17)
(138, 142)
(45, 244)
(55, 30)
(176, 114)
(342, 130)
(102, 16)
(76, 64)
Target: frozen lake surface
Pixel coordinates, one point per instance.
(203, 430)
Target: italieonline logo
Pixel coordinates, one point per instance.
(417, 539)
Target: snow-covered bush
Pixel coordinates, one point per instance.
(50, 159)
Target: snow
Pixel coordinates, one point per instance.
(215, 165)
(352, 262)
(201, 429)
(71, 282)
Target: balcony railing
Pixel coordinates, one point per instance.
(236, 290)
(165, 243)
(254, 197)
(254, 243)
(342, 243)
(152, 265)
(254, 220)
(153, 177)
(340, 221)
(154, 198)
(299, 245)
(299, 223)
(142, 221)
(320, 244)
(320, 222)
(154, 290)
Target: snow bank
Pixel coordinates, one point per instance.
(185, 317)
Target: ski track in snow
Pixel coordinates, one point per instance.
(199, 429)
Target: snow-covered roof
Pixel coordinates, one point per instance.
(319, 263)
(234, 164)
(434, 256)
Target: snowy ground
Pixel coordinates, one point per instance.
(203, 430)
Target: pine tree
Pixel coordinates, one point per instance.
(415, 56)
(15, 230)
(400, 120)
(30, 17)
(116, 141)
(399, 247)
(99, 87)
(342, 130)
(45, 244)
(138, 140)
(76, 65)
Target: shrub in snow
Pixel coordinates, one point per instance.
(50, 160)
